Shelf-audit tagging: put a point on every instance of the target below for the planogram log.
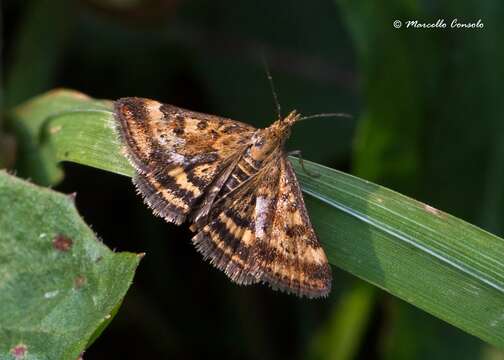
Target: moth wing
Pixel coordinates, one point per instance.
(177, 153)
(292, 259)
(228, 240)
(261, 232)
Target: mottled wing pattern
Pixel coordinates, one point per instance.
(262, 233)
(240, 173)
(228, 240)
(292, 258)
(177, 153)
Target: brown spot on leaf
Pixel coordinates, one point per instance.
(19, 351)
(55, 129)
(80, 281)
(62, 243)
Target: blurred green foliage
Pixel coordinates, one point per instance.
(429, 124)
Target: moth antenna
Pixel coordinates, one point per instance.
(345, 115)
(272, 86)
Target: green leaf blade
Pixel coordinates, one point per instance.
(53, 297)
(29, 121)
(431, 259)
(79, 134)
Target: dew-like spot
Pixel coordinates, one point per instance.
(51, 294)
(19, 351)
(62, 243)
(43, 235)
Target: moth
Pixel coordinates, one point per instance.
(236, 187)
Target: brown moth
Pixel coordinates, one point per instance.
(236, 187)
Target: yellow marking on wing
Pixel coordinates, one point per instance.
(183, 182)
(248, 237)
(251, 165)
(245, 235)
(291, 272)
(154, 109)
(191, 125)
(175, 200)
(168, 195)
(175, 172)
(137, 135)
(236, 178)
(281, 269)
(225, 249)
(242, 169)
(307, 255)
(313, 255)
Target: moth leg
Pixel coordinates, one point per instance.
(301, 162)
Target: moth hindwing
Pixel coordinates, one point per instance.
(234, 184)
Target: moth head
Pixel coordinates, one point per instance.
(290, 119)
(267, 140)
(279, 131)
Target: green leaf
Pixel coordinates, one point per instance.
(430, 259)
(59, 285)
(35, 159)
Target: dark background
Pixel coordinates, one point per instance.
(428, 122)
